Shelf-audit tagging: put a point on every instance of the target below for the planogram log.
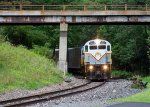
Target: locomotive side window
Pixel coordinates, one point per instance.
(108, 48)
(102, 47)
(86, 48)
(93, 47)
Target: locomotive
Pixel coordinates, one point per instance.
(96, 59)
(93, 59)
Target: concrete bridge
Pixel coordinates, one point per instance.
(73, 14)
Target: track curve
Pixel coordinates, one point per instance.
(33, 99)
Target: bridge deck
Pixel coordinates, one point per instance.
(97, 14)
(73, 13)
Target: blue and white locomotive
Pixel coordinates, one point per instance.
(96, 59)
(93, 59)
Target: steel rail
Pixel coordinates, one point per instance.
(42, 94)
(53, 96)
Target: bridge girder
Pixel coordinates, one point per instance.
(74, 19)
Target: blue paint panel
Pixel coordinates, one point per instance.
(92, 60)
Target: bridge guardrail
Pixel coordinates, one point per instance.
(75, 7)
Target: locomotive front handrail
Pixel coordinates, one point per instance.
(75, 7)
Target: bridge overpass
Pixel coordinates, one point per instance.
(73, 14)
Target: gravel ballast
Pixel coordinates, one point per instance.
(98, 97)
(95, 98)
(22, 93)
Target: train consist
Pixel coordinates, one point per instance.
(93, 59)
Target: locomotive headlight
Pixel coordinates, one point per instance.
(91, 67)
(105, 67)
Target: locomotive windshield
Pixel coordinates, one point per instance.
(93, 47)
(102, 47)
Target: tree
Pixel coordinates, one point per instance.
(25, 35)
(148, 41)
(15, 2)
(129, 47)
(130, 44)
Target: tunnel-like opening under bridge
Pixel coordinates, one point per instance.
(65, 15)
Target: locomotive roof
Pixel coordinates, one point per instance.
(97, 42)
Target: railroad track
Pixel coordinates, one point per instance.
(33, 99)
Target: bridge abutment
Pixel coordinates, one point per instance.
(62, 63)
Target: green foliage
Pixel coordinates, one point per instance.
(52, 33)
(79, 35)
(51, 1)
(20, 68)
(15, 2)
(2, 38)
(148, 41)
(139, 97)
(75, 2)
(42, 50)
(137, 77)
(121, 74)
(137, 82)
(146, 79)
(25, 35)
(136, 86)
(129, 46)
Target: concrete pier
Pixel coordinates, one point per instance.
(62, 64)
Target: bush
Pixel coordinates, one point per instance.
(42, 50)
(138, 83)
(121, 74)
(2, 39)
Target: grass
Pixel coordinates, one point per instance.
(121, 74)
(21, 68)
(139, 97)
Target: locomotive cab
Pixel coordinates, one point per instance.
(96, 59)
